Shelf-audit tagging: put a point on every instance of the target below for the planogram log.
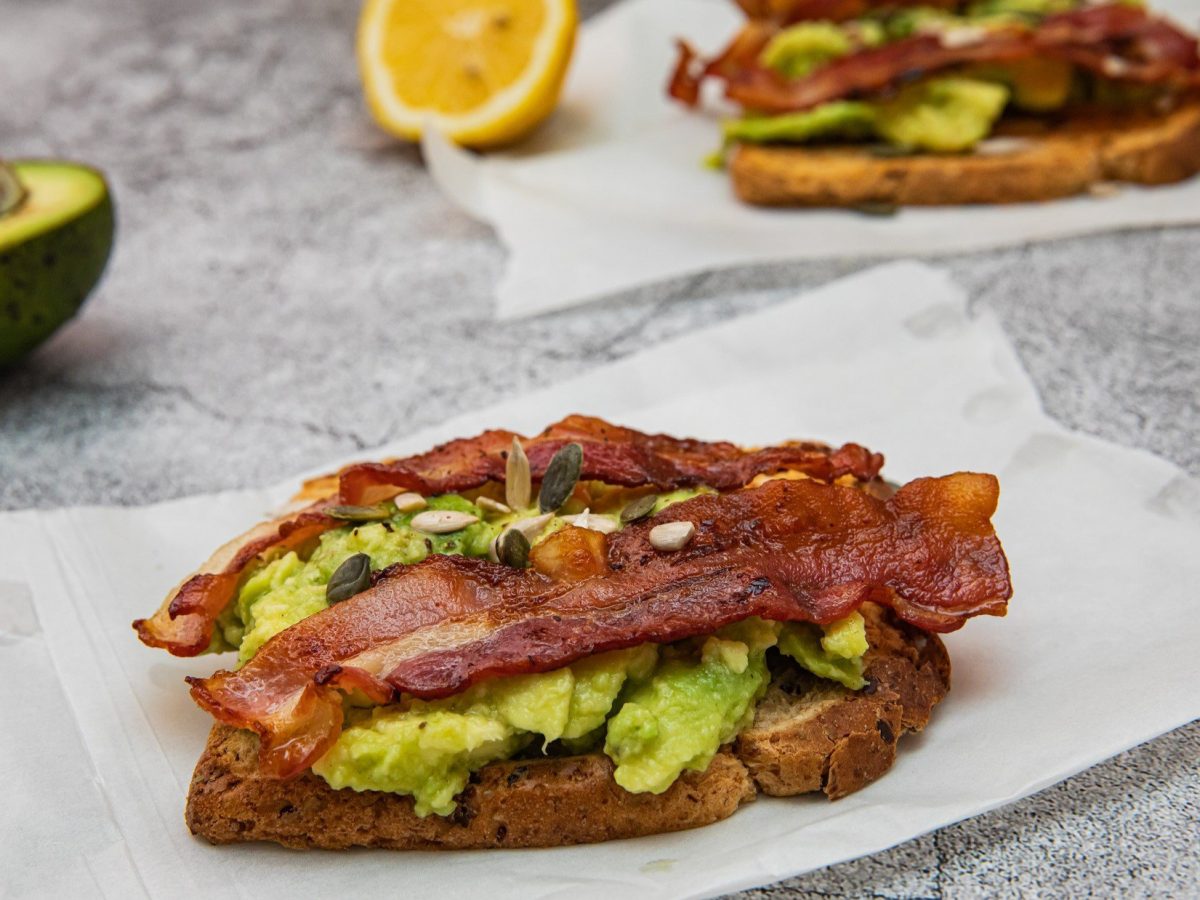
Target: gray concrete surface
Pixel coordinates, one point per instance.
(289, 286)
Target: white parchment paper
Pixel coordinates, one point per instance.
(611, 194)
(1096, 655)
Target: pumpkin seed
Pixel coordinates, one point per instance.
(518, 484)
(671, 536)
(442, 521)
(561, 475)
(358, 513)
(409, 502)
(487, 504)
(352, 577)
(639, 508)
(512, 548)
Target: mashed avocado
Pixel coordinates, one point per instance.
(945, 115)
(835, 654)
(796, 51)
(657, 712)
(430, 749)
(679, 718)
(841, 120)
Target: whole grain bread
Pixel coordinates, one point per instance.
(808, 735)
(1044, 161)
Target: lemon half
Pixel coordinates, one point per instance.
(483, 72)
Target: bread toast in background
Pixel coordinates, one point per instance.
(1034, 161)
(809, 734)
(976, 101)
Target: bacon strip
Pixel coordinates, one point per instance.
(184, 623)
(612, 454)
(1116, 40)
(785, 551)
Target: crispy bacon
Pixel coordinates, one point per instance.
(1116, 40)
(785, 551)
(184, 623)
(612, 454)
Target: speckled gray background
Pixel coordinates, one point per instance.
(289, 286)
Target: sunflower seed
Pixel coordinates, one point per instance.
(671, 535)
(639, 508)
(358, 513)
(532, 527)
(561, 475)
(512, 548)
(409, 502)
(488, 505)
(352, 577)
(518, 486)
(442, 521)
(586, 519)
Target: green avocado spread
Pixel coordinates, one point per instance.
(655, 710)
(948, 111)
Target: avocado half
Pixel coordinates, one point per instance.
(56, 232)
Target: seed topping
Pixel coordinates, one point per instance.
(512, 548)
(352, 577)
(561, 476)
(587, 519)
(488, 505)
(358, 513)
(639, 508)
(518, 484)
(442, 521)
(409, 502)
(671, 536)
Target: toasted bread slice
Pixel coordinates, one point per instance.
(1044, 162)
(808, 735)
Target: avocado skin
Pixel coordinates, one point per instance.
(44, 280)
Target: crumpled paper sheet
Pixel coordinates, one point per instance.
(611, 193)
(1096, 655)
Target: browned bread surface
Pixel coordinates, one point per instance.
(808, 735)
(1049, 162)
(814, 735)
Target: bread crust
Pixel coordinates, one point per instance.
(808, 735)
(1048, 162)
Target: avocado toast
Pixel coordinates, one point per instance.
(589, 634)
(964, 101)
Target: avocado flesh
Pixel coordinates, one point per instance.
(54, 244)
(12, 192)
